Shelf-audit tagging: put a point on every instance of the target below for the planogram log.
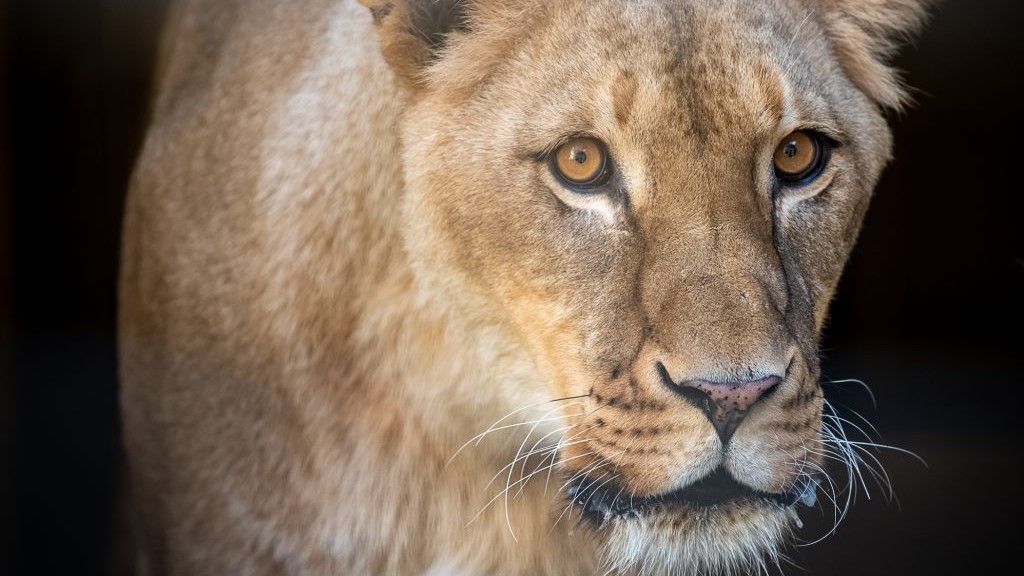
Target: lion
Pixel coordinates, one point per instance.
(517, 287)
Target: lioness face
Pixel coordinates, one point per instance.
(616, 182)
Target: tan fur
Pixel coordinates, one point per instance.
(344, 259)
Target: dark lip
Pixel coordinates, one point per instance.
(603, 502)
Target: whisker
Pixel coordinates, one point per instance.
(526, 456)
(551, 468)
(551, 452)
(519, 457)
(594, 491)
(856, 456)
(860, 383)
(512, 468)
(500, 494)
(494, 427)
(568, 505)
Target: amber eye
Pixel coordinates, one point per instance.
(582, 162)
(799, 157)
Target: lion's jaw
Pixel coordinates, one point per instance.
(697, 264)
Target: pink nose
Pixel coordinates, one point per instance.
(726, 403)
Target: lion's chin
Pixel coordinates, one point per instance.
(717, 525)
(738, 537)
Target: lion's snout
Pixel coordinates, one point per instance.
(666, 426)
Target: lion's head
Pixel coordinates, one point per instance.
(657, 199)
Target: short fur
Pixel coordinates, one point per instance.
(345, 258)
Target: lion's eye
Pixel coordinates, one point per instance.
(582, 162)
(799, 157)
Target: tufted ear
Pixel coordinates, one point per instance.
(412, 32)
(866, 34)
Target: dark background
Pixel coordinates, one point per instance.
(929, 314)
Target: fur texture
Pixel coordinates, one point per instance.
(365, 330)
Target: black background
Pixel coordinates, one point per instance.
(929, 314)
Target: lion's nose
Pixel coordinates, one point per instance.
(724, 403)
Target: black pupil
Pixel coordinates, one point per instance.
(790, 149)
(580, 157)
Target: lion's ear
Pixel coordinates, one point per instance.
(412, 32)
(866, 34)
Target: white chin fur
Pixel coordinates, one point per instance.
(706, 542)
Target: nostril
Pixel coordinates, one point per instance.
(696, 396)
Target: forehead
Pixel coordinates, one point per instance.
(705, 67)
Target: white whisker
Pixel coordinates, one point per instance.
(860, 383)
(494, 427)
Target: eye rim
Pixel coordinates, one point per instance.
(604, 172)
(823, 146)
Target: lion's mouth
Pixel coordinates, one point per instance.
(603, 502)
